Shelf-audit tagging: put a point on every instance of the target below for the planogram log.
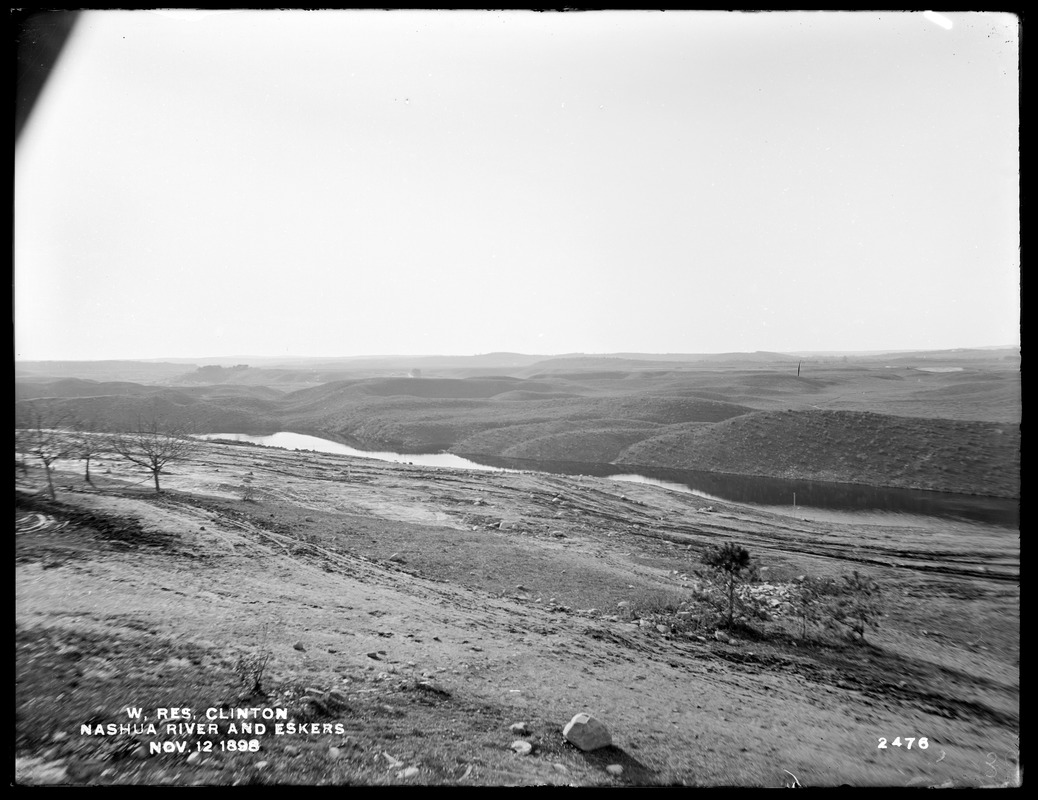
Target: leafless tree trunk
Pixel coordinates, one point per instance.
(154, 446)
(88, 444)
(43, 433)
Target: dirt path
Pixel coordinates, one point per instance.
(500, 591)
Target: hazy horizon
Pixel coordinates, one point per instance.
(340, 183)
(301, 357)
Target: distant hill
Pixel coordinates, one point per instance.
(954, 428)
(136, 371)
(296, 372)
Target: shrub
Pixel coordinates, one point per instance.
(858, 603)
(811, 601)
(851, 602)
(248, 491)
(251, 668)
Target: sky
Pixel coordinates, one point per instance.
(337, 183)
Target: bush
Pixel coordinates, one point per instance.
(852, 602)
(858, 604)
(811, 602)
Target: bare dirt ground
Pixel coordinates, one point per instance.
(415, 614)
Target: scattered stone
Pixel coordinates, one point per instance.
(292, 750)
(314, 705)
(299, 646)
(587, 733)
(191, 759)
(373, 655)
(262, 765)
(663, 629)
(721, 636)
(615, 770)
(334, 753)
(560, 768)
(392, 761)
(410, 772)
(519, 728)
(435, 688)
(522, 747)
(397, 558)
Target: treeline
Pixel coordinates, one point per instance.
(48, 436)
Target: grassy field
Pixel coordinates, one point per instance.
(414, 615)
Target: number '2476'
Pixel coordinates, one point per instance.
(907, 742)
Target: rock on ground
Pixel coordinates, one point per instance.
(587, 733)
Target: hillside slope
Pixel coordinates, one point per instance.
(415, 615)
(846, 446)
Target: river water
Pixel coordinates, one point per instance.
(816, 500)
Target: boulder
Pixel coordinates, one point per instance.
(587, 733)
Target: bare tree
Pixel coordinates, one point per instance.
(87, 444)
(154, 446)
(43, 433)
